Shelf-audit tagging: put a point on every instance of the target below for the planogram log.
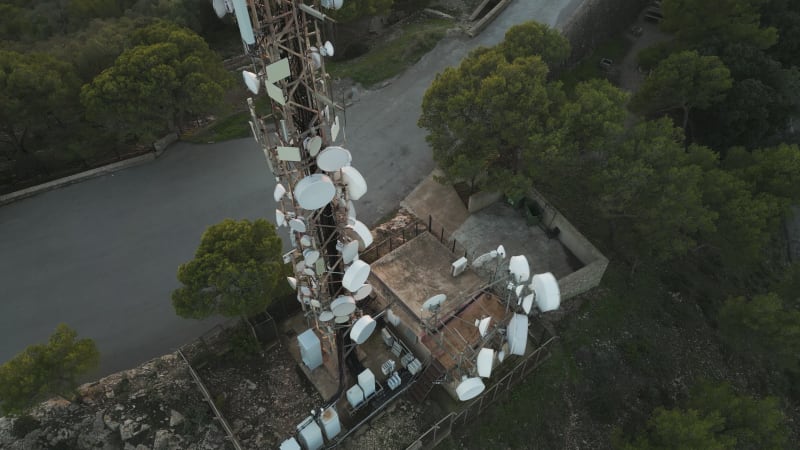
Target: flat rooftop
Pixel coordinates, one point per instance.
(420, 269)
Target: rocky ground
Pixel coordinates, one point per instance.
(155, 406)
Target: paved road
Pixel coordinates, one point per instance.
(101, 255)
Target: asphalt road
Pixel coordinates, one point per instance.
(102, 255)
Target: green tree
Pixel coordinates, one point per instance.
(715, 417)
(488, 118)
(650, 192)
(38, 93)
(763, 328)
(44, 370)
(684, 81)
(236, 271)
(168, 77)
(358, 9)
(534, 38)
(773, 170)
(704, 24)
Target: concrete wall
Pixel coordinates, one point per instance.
(480, 200)
(595, 263)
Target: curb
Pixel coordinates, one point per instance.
(158, 148)
(485, 20)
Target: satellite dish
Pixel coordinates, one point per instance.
(313, 145)
(434, 303)
(279, 191)
(520, 270)
(292, 282)
(310, 256)
(355, 276)
(332, 4)
(363, 292)
(469, 389)
(362, 329)
(362, 233)
(343, 306)
(548, 294)
(518, 290)
(327, 49)
(219, 8)
(314, 191)
(252, 81)
(485, 362)
(350, 252)
(517, 334)
(305, 290)
(501, 355)
(297, 225)
(527, 303)
(280, 218)
(315, 303)
(483, 325)
(243, 20)
(305, 241)
(484, 258)
(356, 185)
(501, 251)
(341, 319)
(326, 316)
(333, 158)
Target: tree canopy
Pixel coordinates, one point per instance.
(44, 370)
(168, 75)
(236, 271)
(534, 38)
(684, 81)
(715, 417)
(704, 24)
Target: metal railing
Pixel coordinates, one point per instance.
(444, 426)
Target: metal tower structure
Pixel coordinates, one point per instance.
(315, 183)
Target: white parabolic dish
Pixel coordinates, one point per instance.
(517, 334)
(362, 329)
(362, 232)
(350, 252)
(343, 306)
(355, 276)
(252, 81)
(434, 302)
(485, 362)
(219, 8)
(297, 225)
(313, 145)
(363, 292)
(356, 185)
(325, 316)
(470, 388)
(314, 191)
(548, 295)
(518, 265)
(527, 303)
(310, 256)
(278, 193)
(333, 158)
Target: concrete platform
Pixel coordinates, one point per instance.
(437, 200)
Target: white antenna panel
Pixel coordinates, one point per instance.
(253, 129)
(393, 318)
(289, 154)
(520, 270)
(243, 20)
(517, 334)
(335, 128)
(485, 362)
(483, 325)
(458, 267)
(548, 294)
(252, 81)
(356, 185)
(275, 93)
(278, 70)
